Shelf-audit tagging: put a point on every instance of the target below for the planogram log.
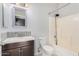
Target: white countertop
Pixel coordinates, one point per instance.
(17, 39)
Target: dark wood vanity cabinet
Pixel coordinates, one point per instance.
(19, 49)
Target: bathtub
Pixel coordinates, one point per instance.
(59, 51)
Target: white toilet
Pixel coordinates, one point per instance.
(46, 49)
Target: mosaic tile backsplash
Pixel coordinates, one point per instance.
(15, 34)
(18, 34)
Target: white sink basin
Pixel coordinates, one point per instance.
(17, 39)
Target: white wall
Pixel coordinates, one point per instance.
(39, 19)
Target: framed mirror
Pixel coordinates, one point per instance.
(20, 17)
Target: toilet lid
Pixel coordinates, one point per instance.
(48, 48)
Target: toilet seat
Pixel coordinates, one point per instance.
(48, 48)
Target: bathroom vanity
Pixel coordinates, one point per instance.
(18, 49)
(18, 46)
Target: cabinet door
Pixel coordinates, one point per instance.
(27, 50)
(12, 52)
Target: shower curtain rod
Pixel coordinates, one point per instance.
(59, 8)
